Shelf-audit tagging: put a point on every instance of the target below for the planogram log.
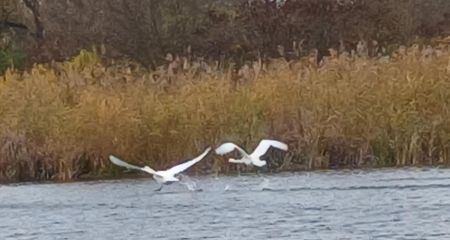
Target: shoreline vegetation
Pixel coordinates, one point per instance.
(61, 121)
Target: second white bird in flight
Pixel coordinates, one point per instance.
(255, 157)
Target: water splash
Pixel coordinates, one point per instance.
(264, 185)
(190, 184)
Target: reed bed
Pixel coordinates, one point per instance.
(61, 121)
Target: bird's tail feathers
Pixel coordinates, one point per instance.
(232, 160)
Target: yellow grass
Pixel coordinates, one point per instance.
(62, 121)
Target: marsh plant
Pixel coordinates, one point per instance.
(62, 120)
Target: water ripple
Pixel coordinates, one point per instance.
(382, 204)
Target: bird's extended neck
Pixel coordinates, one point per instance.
(149, 170)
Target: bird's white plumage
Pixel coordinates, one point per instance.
(162, 176)
(265, 144)
(182, 167)
(254, 158)
(229, 147)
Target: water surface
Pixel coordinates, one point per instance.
(379, 204)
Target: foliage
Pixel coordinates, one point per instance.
(147, 30)
(61, 122)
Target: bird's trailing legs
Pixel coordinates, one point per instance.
(159, 189)
(263, 169)
(257, 172)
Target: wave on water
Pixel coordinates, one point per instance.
(352, 188)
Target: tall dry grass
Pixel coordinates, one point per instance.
(62, 121)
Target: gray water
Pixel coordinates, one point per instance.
(381, 204)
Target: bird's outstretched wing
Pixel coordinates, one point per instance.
(265, 144)
(121, 163)
(229, 147)
(182, 167)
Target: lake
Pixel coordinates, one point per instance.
(411, 203)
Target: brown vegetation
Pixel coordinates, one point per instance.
(61, 121)
(173, 76)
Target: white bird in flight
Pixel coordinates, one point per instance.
(255, 157)
(165, 176)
